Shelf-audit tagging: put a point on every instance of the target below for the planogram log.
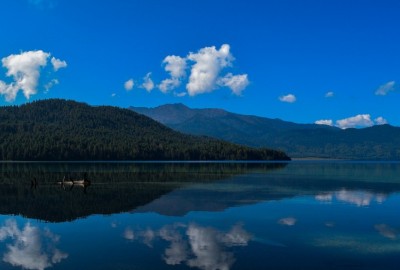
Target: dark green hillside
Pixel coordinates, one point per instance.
(373, 143)
(67, 130)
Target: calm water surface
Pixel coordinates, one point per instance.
(299, 215)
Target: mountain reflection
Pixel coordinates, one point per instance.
(30, 247)
(115, 187)
(194, 245)
(175, 189)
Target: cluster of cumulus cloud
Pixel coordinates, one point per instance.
(360, 120)
(357, 121)
(206, 73)
(24, 70)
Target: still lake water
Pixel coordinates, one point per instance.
(298, 215)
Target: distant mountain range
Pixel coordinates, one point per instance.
(297, 140)
(57, 129)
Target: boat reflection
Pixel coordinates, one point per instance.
(70, 183)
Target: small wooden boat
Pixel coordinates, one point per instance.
(80, 182)
(83, 181)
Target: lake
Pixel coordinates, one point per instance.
(296, 215)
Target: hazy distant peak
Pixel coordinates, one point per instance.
(299, 140)
(177, 113)
(178, 106)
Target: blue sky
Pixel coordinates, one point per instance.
(278, 59)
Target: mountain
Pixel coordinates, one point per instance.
(297, 140)
(58, 129)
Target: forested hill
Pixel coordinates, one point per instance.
(58, 129)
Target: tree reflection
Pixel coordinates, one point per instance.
(37, 190)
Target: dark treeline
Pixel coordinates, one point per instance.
(67, 130)
(381, 142)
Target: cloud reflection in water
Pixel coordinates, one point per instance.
(288, 221)
(197, 246)
(31, 248)
(358, 197)
(386, 231)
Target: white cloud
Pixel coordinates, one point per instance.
(237, 83)
(57, 63)
(290, 98)
(206, 66)
(327, 122)
(24, 68)
(384, 89)
(176, 67)
(329, 94)
(8, 90)
(360, 120)
(380, 121)
(169, 84)
(128, 85)
(113, 94)
(31, 248)
(180, 94)
(148, 83)
(208, 63)
(288, 221)
(50, 84)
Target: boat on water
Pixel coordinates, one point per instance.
(78, 182)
